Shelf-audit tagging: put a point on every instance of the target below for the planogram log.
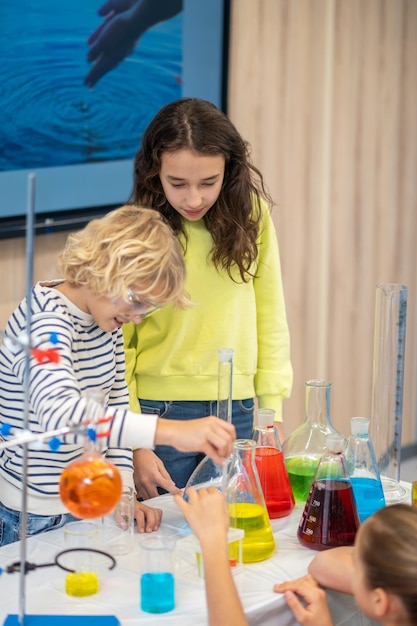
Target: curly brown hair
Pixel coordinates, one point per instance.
(198, 125)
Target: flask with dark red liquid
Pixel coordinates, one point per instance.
(330, 517)
(269, 459)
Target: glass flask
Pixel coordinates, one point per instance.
(90, 487)
(273, 475)
(363, 469)
(304, 446)
(388, 385)
(247, 509)
(209, 473)
(330, 517)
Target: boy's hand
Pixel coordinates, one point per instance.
(209, 435)
(148, 519)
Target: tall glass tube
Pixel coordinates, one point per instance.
(209, 473)
(388, 384)
(224, 393)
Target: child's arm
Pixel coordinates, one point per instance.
(210, 435)
(334, 568)
(314, 611)
(207, 514)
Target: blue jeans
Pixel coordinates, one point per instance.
(11, 524)
(181, 465)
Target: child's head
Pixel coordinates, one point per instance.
(200, 127)
(131, 251)
(192, 124)
(386, 563)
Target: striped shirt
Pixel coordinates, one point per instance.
(89, 359)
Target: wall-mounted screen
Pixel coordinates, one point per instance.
(80, 81)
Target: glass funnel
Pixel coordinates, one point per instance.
(363, 469)
(208, 472)
(304, 446)
(330, 517)
(247, 509)
(90, 487)
(388, 384)
(273, 475)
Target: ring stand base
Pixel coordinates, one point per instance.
(63, 620)
(393, 491)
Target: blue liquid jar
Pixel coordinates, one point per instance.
(363, 469)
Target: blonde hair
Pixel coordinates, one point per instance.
(387, 548)
(129, 248)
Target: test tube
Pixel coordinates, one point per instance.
(224, 397)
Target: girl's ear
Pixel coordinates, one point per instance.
(380, 602)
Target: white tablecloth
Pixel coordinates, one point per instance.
(119, 591)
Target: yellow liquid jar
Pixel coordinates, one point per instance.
(81, 584)
(258, 543)
(247, 508)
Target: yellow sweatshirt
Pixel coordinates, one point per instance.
(173, 355)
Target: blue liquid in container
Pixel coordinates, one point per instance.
(369, 496)
(157, 592)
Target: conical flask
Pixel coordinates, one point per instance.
(269, 459)
(305, 445)
(209, 473)
(90, 487)
(247, 509)
(330, 517)
(363, 469)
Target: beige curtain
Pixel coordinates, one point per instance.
(325, 91)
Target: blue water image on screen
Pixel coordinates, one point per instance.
(49, 116)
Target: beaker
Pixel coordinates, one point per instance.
(82, 539)
(273, 475)
(388, 384)
(330, 517)
(208, 473)
(90, 487)
(304, 446)
(363, 469)
(157, 581)
(247, 509)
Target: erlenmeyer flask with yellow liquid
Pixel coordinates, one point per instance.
(90, 486)
(247, 509)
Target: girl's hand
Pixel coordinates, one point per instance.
(316, 610)
(150, 473)
(207, 513)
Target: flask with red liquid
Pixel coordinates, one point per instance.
(273, 475)
(90, 487)
(330, 517)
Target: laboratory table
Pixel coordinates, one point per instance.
(119, 588)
